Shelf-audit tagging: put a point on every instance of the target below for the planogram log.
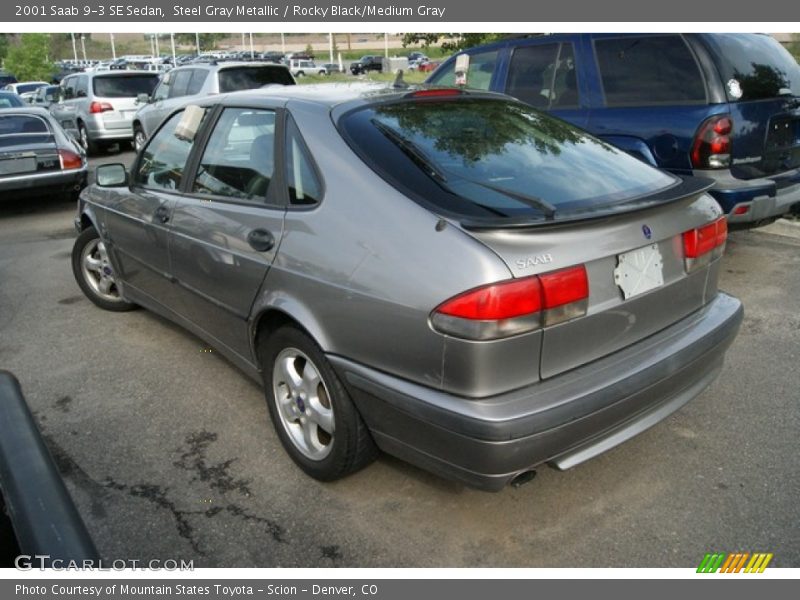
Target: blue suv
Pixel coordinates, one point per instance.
(718, 105)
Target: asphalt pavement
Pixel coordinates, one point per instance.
(168, 450)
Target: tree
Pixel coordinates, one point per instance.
(208, 41)
(28, 59)
(456, 41)
(3, 46)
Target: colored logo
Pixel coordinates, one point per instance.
(648, 233)
(739, 562)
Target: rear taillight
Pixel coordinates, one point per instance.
(712, 144)
(70, 160)
(705, 243)
(100, 107)
(515, 306)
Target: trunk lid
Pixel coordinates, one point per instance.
(27, 146)
(612, 321)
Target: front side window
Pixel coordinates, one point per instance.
(544, 76)
(163, 160)
(162, 89)
(479, 72)
(180, 83)
(649, 70)
(304, 185)
(81, 86)
(238, 162)
(198, 79)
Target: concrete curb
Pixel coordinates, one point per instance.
(784, 227)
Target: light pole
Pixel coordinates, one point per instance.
(252, 52)
(330, 47)
(172, 42)
(197, 43)
(83, 46)
(158, 51)
(113, 48)
(74, 48)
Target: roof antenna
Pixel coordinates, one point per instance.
(399, 84)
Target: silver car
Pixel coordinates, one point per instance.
(102, 105)
(451, 277)
(182, 84)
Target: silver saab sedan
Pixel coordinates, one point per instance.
(448, 276)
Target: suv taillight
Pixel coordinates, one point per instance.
(515, 306)
(99, 107)
(712, 143)
(703, 244)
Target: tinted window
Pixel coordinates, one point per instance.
(162, 89)
(164, 158)
(198, 79)
(248, 78)
(479, 73)
(128, 86)
(10, 101)
(179, 83)
(544, 76)
(18, 129)
(489, 158)
(238, 161)
(69, 87)
(81, 86)
(28, 87)
(649, 70)
(304, 186)
(760, 66)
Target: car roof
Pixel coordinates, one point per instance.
(26, 110)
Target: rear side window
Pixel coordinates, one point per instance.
(754, 66)
(304, 185)
(649, 70)
(486, 158)
(163, 160)
(128, 86)
(249, 78)
(479, 73)
(239, 160)
(198, 79)
(544, 76)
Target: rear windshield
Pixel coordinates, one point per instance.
(24, 88)
(754, 67)
(128, 86)
(249, 78)
(484, 158)
(19, 129)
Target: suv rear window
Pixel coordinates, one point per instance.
(483, 158)
(760, 66)
(128, 86)
(249, 78)
(649, 70)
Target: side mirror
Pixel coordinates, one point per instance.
(113, 175)
(143, 98)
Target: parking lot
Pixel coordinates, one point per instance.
(168, 450)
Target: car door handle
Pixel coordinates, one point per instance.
(162, 214)
(261, 240)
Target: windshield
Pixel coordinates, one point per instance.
(485, 157)
(249, 78)
(755, 67)
(128, 86)
(8, 100)
(18, 129)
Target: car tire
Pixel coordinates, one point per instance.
(86, 141)
(300, 74)
(312, 413)
(94, 273)
(139, 138)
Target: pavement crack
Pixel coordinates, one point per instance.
(194, 459)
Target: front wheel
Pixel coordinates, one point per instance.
(313, 415)
(94, 273)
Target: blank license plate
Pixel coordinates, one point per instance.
(13, 166)
(639, 271)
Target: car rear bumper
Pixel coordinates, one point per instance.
(753, 200)
(564, 420)
(42, 183)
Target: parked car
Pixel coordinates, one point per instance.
(46, 96)
(494, 290)
(25, 89)
(10, 100)
(365, 64)
(6, 78)
(102, 105)
(37, 157)
(720, 105)
(199, 80)
(332, 68)
(301, 68)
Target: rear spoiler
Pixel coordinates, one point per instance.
(43, 516)
(684, 187)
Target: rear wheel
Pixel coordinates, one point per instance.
(312, 413)
(94, 273)
(85, 141)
